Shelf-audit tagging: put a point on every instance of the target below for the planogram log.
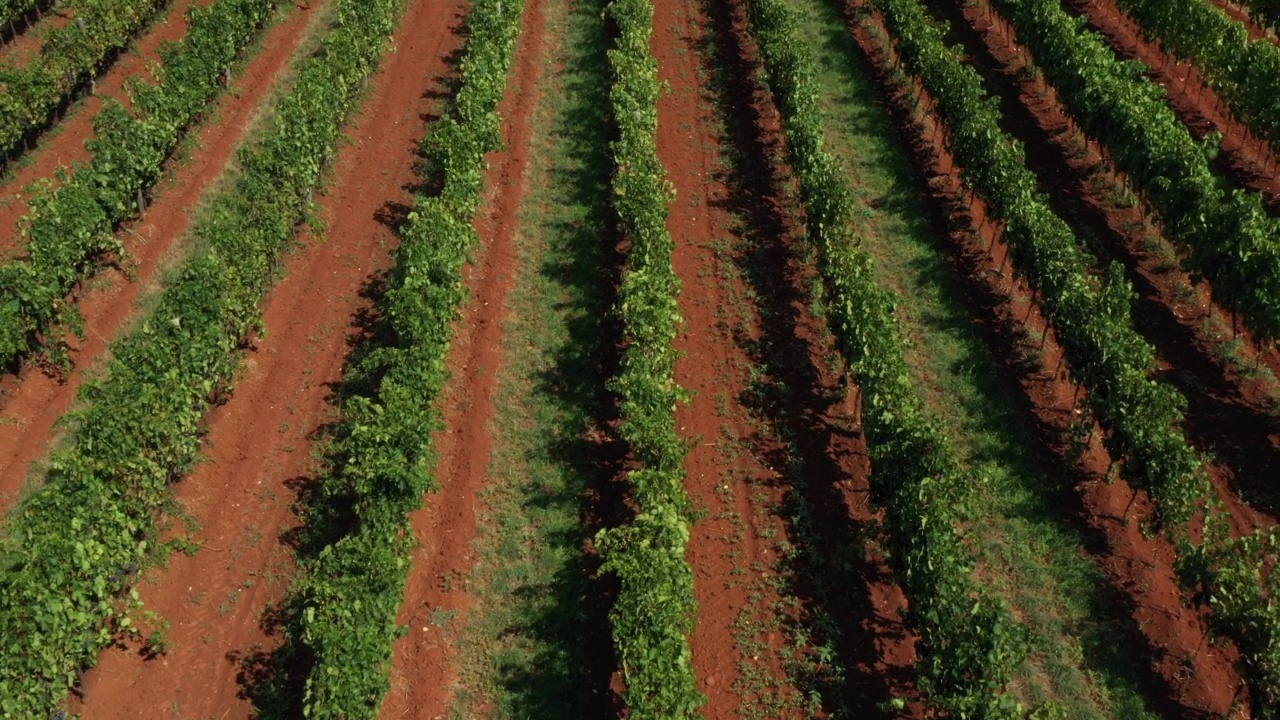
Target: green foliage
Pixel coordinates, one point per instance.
(969, 643)
(13, 10)
(1093, 326)
(1264, 12)
(1244, 73)
(70, 229)
(1225, 235)
(73, 547)
(346, 598)
(654, 612)
(70, 56)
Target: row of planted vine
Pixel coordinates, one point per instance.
(1092, 321)
(71, 549)
(343, 605)
(1245, 74)
(1264, 12)
(70, 57)
(12, 11)
(70, 227)
(654, 610)
(1225, 235)
(969, 643)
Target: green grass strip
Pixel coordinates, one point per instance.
(69, 229)
(75, 545)
(655, 608)
(969, 643)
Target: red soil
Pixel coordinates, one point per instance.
(737, 321)
(31, 404)
(259, 442)
(63, 143)
(1186, 677)
(425, 672)
(710, 367)
(1249, 162)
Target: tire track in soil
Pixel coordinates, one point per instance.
(1247, 161)
(1226, 413)
(62, 143)
(1184, 675)
(258, 447)
(32, 402)
(424, 676)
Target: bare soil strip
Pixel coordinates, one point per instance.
(782, 478)
(259, 443)
(63, 143)
(32, 402)
(1186, 675)
(712, 370)
(425, 672)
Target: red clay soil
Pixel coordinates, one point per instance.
(724, 340)
(1184, 675)
(63, 143)
(1246, 160)
(31, 403)
(710, 368)
(259, 443)
(1226, 412)
(424, 675)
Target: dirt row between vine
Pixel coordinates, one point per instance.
(1227, 413)
(710, 368)
(63, 143)
(753, 357)
(425, 674)
(1247, 161)
(258, 449)
(32, 402)
(1185, 677)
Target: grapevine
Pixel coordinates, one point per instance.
(969, 643)
(69, 545)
